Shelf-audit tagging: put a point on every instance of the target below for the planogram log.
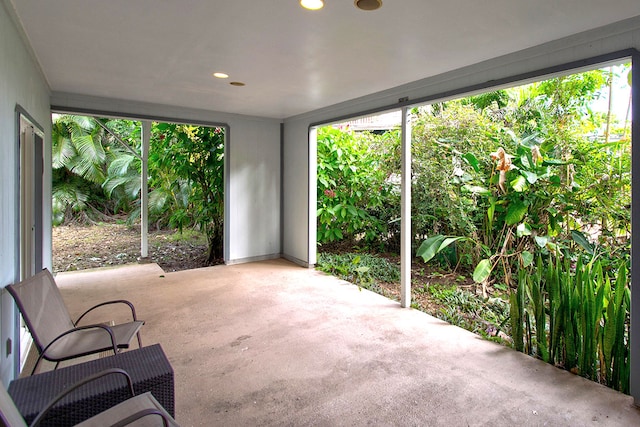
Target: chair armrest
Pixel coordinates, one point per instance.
(120, 301)
(140, 414)
(79, 328)
(41, 416)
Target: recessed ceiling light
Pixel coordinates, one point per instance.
(221, 75)
(368, 4)
(312, 4)
(236, 84)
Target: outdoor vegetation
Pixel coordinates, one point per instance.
(96, 176)
(520, 217)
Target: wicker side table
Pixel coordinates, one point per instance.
(148, 367)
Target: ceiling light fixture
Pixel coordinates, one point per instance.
(312, 4)
(221, 75)
(368, 4)
(236, 84)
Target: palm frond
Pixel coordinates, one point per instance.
(70, 194)
(62, 150)
(89, 171)
(90, 148)
(122, 164)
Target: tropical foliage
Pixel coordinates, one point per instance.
(354, 189)
(97, 174)
(528, 189)
(575, 316)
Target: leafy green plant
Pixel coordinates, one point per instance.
(352, 188)
(95, 175)
(581, 318)
(442, 134)
(195, 157)
(434, 245)
(79, 161)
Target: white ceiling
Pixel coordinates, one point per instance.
(292, 60)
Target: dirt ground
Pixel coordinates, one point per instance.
(78, 247)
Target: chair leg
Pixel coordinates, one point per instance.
(139, 340)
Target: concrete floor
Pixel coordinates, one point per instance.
(270, 343)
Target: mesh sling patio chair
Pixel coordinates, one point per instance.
(56, 336)
(142, 410)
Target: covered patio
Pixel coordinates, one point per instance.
(262, 340)
(271, 343)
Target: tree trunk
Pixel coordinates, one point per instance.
(216, 241)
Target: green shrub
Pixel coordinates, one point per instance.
(575, 316)
(352, 188)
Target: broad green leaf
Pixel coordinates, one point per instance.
(472, 161)
(449, 240)
(161, 126)
(435, 244)
(542, 240)
(527, 258)
(580, 239)
(609, 333)
(532, 177)
(523, 230)
(515, 212)
(519, 184)
(491, 210)
(429, 248)
(482, 271)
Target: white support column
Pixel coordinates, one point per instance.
(144, 192)
(634, 330)
(312, 256)
(405, 215)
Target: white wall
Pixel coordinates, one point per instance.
(298, 214)
(21, 83)
(252, 154)
(254, 190)
(298, 236)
